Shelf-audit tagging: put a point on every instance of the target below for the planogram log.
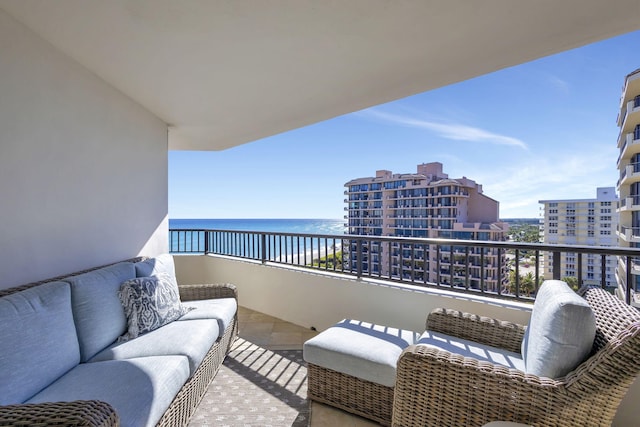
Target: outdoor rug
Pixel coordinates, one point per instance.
(256, 387)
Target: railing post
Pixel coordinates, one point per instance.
(263, 248)
(206, 242)
(556, 265)
(359, 257)
(629, 279)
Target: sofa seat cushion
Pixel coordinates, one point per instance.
(362, 350)
(222, 309)
(140, 390)
(38, 341)
(473, 350)
(561, 331)
(97, 310)
(192, 339)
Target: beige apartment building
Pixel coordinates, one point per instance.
(427, 204)
(591, 222)
(629, 183)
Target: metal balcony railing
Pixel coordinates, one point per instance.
(481, 267)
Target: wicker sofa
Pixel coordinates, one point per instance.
(61, 362)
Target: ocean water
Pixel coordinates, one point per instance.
(277, 249)
(301, 226)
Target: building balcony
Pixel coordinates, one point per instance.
(629, 203)
(629, 234)
(630, 116)
(630, 145)
(629, 174)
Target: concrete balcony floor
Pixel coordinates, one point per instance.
(268, 337)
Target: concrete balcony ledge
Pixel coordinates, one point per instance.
(319, 299)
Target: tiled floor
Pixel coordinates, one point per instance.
(275, 334)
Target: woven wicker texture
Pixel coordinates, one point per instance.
(437, 388)
(354, 395)
(79, 413)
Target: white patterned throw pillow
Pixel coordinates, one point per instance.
(149, 303)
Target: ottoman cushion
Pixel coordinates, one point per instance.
(362, 350)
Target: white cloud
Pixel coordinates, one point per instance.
(520, 186)
(453, 131)
(558, 83)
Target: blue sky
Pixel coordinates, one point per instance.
(538, 131)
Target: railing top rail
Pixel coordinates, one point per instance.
(605, 250)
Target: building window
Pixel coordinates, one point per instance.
(553, 205)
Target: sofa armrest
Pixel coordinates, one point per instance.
(436, 387)
(208, 291)
(83, 413)
(484, 330)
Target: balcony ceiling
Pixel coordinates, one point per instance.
(222, 73)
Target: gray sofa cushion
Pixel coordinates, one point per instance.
(222, 309)
(362, 350)
(38, 341)
(140, 390)
(560, 333)
(192, 339)
(149, 303)
(97, 310)
(162, 264)
(473, 350)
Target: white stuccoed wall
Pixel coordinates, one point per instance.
(83, 169)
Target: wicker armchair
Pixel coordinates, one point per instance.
(437, 388)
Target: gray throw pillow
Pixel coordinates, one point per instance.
(149, 303)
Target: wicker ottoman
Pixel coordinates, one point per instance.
(352, 366)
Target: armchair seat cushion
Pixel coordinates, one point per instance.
(466, 348)
(362, 350)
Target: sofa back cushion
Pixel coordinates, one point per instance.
(157, 266)
(561, 331)
(38, 341)
(97, 310)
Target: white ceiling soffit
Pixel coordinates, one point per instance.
(222, 73)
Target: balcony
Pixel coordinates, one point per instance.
(629, 234)
(629, 174)
(276, 274)
(630, 143)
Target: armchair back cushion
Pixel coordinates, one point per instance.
(38, 341)
(561, 331)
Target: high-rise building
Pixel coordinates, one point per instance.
(427, 204)
(591, 222)
(629, 182)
